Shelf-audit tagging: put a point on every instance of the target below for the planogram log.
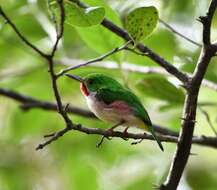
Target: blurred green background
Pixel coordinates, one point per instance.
(73, 162)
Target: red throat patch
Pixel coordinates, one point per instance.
(84, 89)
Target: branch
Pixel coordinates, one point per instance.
(207, 21)
(98, 59)
(143, 49)
(21, 36)
(128, 67)
(49, 57)
(179, 34)
(60, 108)
(29, 103)
(189, 114)
(148, 52)
(166, 134)
(203, 140)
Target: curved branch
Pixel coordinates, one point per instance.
(167, 135)
(128, 67)
(98, 59)
(189, 113)
(203, 140)
(142, 48)
(30, 103)
(179, 34)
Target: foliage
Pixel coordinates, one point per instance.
(74, 162)
(141, 22)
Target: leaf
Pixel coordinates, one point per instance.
(141, 22)
(77, 16)
(80, 17)
(159, 87)
(98, 37)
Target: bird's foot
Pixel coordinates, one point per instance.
(107, 134)
(108, 131)
(102, 139)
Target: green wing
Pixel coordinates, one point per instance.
(109, 95)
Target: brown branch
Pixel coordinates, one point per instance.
(192, 84)
(142, 48)
(207, 21)
(98, 59)
(30, 103)
(53, 75)
(130, 68)
(203, 140)
(167, 135)
(189, 114)
(148, 52)
(179, 34)
(48, 57)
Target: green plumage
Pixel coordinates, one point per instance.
(109, 90)
(109, 95)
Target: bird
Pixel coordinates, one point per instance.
(111, 102)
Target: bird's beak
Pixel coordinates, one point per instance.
(75, 77)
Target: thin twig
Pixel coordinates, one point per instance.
(203, 140)
(59, 29)
(98, 59)
(132, 68)
(53, 76)
(183, 77)
(179, 34)
(204, 112)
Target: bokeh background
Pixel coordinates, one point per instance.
(73, 162)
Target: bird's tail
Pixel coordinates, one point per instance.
(151, 130)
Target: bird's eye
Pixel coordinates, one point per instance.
(90, 81)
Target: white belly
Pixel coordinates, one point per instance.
(114, 116)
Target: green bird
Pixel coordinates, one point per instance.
(113, 103)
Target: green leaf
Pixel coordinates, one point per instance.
(141, 22)
(77, 16)
(159, 87)
(98, 37)
(80, 17)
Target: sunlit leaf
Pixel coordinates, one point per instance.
(83, 17)
(141, 22)
(100, 39)
(77, 16)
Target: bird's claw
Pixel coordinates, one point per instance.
(102, 139)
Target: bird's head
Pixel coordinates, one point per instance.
(93, 82)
